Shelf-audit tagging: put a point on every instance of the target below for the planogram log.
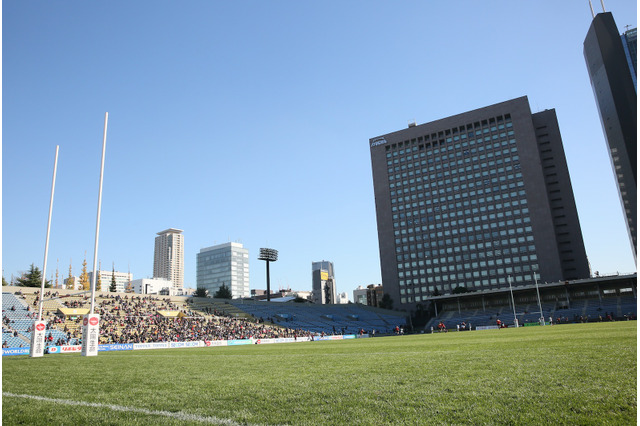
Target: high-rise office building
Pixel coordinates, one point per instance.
(476, 200)
(611, 63)
(168, 258)
(226, 264)
(630, 46)
(323, 283)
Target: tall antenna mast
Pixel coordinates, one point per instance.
(593, 14)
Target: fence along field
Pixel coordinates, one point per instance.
(568, 374)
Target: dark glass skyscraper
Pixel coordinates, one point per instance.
(611, 63)
(475, 200)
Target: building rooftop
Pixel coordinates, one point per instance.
(171, 231)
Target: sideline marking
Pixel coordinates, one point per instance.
(178, 415)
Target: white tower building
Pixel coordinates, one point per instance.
(168, 258)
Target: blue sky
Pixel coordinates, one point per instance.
(249, 121)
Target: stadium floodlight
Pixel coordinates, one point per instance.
(268, 255)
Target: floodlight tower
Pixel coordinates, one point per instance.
(268, 255)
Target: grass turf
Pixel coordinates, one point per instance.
(568, 374)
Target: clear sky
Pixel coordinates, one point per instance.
(249, 121)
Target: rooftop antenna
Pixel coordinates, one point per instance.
(602, 3)
(593, 14)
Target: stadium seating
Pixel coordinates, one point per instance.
(582, 310)
(328, 319)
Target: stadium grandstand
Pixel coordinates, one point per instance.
(133, 318)
(603, 298)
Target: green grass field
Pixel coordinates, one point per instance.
(568, 374)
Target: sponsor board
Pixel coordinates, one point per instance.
(487, 327)
(53, 349)
(70, 349)
(15, 351)
(157, 345)
(215, 343)
(349, 336)
(338, 337)
(239, 342)
(186, 344)
(116, 347)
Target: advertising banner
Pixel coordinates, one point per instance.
(116, 347)
(37, 339)
(349, 336)
(70, 349)
(15, 351)
(185, 344)
(52, 349)
(338, 337)
(487, 327)
(157, 345)
(90, 335)
(239, 342)
(215, 343)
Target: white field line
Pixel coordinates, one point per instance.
(178, 415)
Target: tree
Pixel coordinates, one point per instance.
(112, 287)
(223, 293)
(386, 302)
(57, 275)
(84, 277)
(4, 282)
(201, 292)
(98, 280)
(71, 280)
(33, 278)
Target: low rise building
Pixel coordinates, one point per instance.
(154, 286)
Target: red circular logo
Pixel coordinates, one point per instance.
(40, 327)
(93, 321)
(85, 321)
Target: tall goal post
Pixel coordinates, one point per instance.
(39, 326)
(90, 323)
